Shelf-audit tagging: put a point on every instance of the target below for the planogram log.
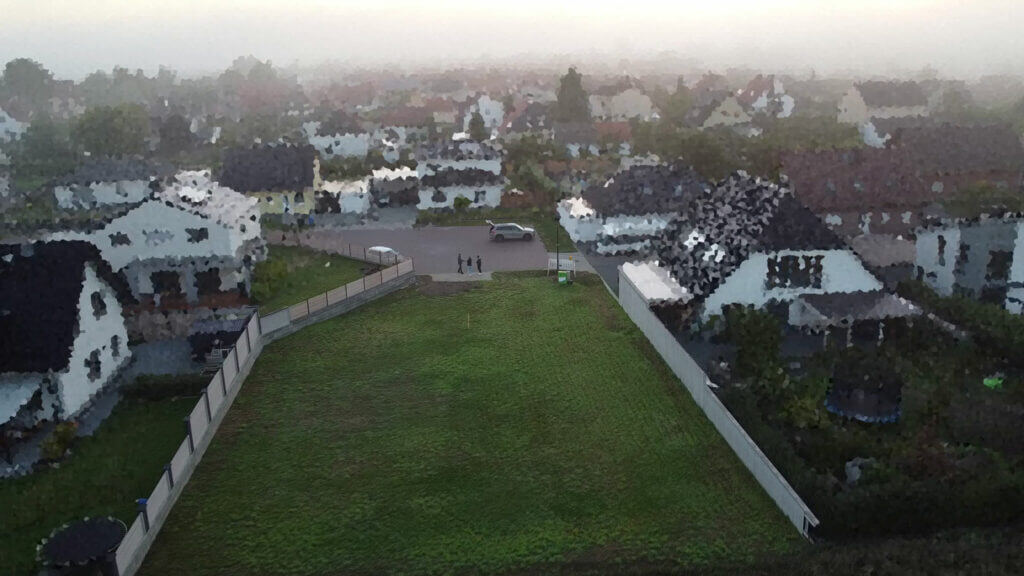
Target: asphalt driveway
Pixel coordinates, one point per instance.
(435, 249)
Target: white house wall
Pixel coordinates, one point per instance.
(341, 145)
(102, 193)
(852, 109)
(75, 389)
(1015, 293)
(842, 271)
(432, 166)
(938, 272)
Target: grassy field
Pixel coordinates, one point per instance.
(545, 225)
(104, 475)
(307, 275)
(515, 426)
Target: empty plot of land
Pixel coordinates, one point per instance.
(504, 426)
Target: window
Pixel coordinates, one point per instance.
(241, 228)
(94, 366)
(299, 198)
(196, 235)
(120, 239)
(479, 196)
(157, 237)
(795, 272)
(115, 346)
(999, 262)
(942, 250)
(99, 307)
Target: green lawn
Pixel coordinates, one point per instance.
(307, 275)
(545, 225)
(104, 476)
(518, 426)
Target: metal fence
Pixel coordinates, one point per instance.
(205, 418)
(697, 383)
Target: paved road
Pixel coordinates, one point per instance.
(435, 249)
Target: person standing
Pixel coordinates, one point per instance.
(469, 264)
(479, 266)
(460, 263)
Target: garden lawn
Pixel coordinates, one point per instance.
(308, 275)
(104, 476)
(511, 426)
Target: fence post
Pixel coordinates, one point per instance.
(364, 253)
(307, 306)
(223, 384)
(248, 340)
(350, 249)
(206, 401)
(188, 432)
(170, 476)
(238, 367)
(381, 274)
(364, 282)
(140, 505)
(346, 291)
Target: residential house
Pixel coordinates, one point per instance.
(533, 118)
(577, 138)
(62, 334)
(979, 258)
(621, 103)
(395, 186)
(624, 213)
(766, 95)
(10, 128)
(749, 242)
(283, 178)
(193, 244)
(467, 169)
(105, 182)
(888, 191)
(492, 112)
(344, 197)
(354, 144)
(882, 99)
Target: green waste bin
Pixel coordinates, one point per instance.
(563, 276)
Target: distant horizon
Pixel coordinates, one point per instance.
(844, 38)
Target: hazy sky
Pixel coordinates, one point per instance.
(959, 38)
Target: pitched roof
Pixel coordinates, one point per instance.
(758, 85)
(953, 148)
(615, 131)
(827, 180)
(720, 229)
(645, 189)
(268, 168)
(575, 133)
(533, 117)
(40, 286)
(114, 170)
(878, 94)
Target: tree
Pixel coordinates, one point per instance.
(573, 104)
(678, 105)
(113, 131)
(43, 152)
(477, 129)
(26, 86)
(175, 134)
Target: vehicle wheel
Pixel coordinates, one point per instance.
(527, 237)
(499, 238)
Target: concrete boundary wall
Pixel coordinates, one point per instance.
(205, 418)
(697, 383)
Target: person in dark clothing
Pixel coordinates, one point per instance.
(479, 270)
(460, 263)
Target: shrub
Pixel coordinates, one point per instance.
(461, 203)
(160, 387)
(59, 440)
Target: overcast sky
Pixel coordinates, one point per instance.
(962, 38)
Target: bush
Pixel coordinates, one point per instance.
(58, 442)
(160, 387)
(461, 203)
(266, 277)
